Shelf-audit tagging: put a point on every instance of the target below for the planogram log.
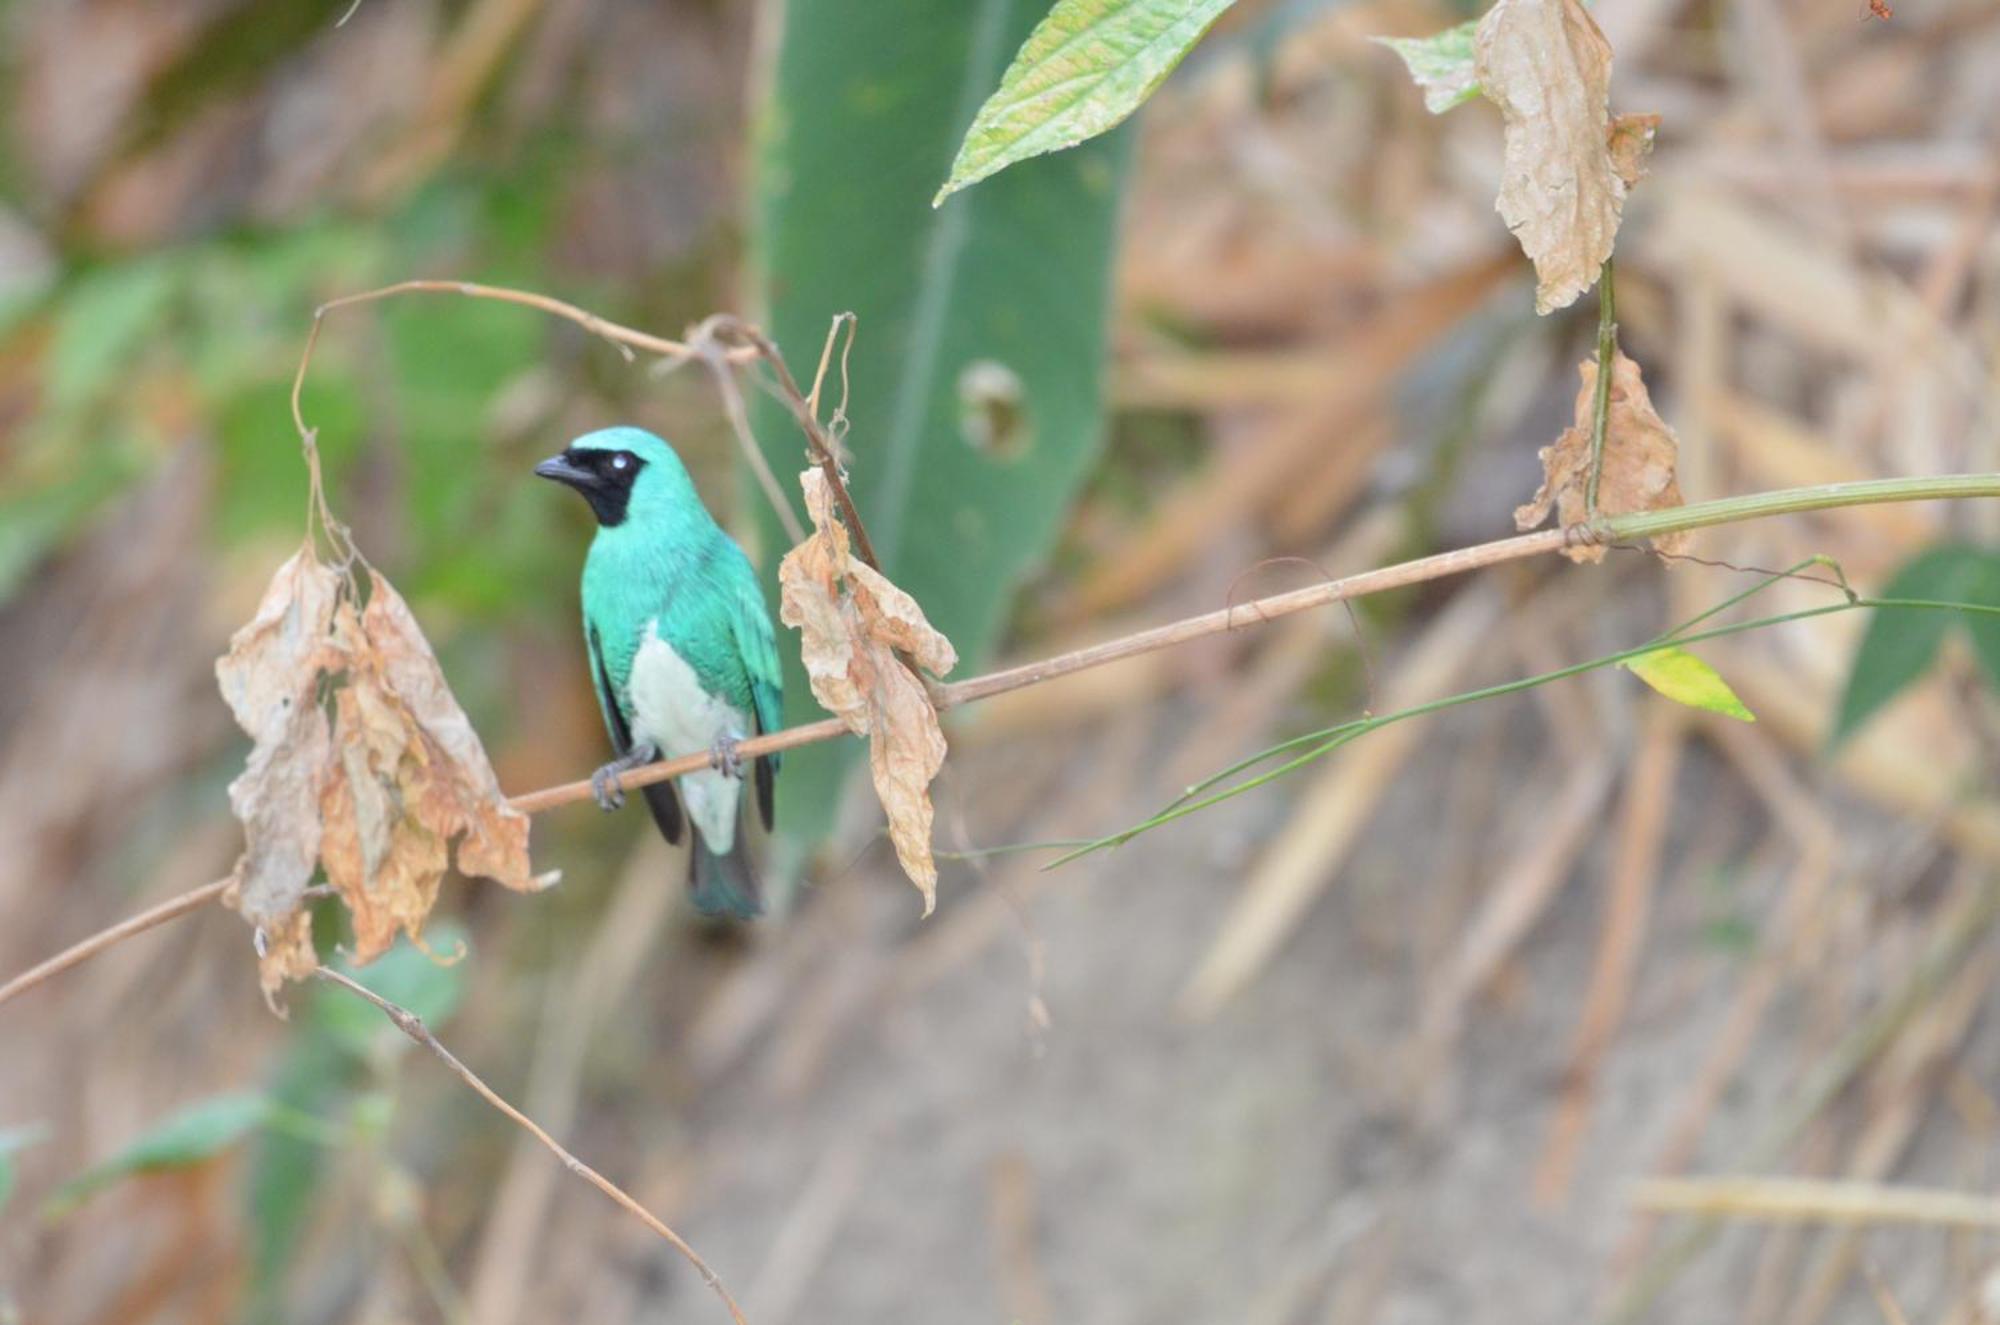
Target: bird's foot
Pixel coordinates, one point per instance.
(604, 782)
(722, 757)
(604, 786)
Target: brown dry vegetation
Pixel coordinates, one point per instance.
(1394, 1040)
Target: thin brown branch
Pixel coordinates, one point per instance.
(191, 900)
(1617, 530)
(818, 443)
(715, 356)
(630, 338)
(413, 1026)
(709, 342)
(1168, 636)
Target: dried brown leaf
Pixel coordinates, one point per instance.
(377, 794)
(410, 775)
(1640, 455)
(270, 679)
(1548, 68)
(288, 955)
(495, 841)
(852, 622)
(1631, 143)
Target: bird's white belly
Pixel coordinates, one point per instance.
(672, 709)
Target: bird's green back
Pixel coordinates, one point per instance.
(668, 565)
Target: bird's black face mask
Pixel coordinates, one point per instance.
(605, 479)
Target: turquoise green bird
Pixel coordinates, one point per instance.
(681, 652)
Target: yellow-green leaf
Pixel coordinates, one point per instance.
(1686, 679)
(1441, 64)
(1083, 69)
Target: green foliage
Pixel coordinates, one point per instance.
(103, 321)
(1441, 64)
(193, 1136)
(1000, 298)
(1086, 67)
(137, 347)
(1686, 679)
(334, 1067)
(1900, 644)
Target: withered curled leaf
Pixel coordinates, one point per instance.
(1640, 455)
(409, 776)
(1548, 68)
(270, 678)
(1631, 142)
(376, 794)
(852, 621)
(494, 844)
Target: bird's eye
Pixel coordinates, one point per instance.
(621, 462)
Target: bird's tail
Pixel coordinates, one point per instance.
(725, 885)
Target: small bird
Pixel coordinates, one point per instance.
(681, 651)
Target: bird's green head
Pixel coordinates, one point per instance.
(625, 474)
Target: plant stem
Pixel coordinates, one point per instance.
(1328, 739)
(1792, 501)
(1600, 407)
(1615, 529)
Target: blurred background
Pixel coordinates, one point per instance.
(1389, 1041)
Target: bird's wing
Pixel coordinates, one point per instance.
(759, 650)
(661, 798)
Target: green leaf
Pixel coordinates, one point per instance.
(1441, 64)
(977, 366)
(284, 1181)
(102, 322)
(1984, 627)
(1086, 66)
(1686, 679)
(1899, 646)
(193, 1136)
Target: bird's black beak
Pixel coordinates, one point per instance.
(559, 468)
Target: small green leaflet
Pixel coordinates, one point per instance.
(1441, 64)
(194, 1135)
(1686, 679)
(1899, 646)
(1084, 68)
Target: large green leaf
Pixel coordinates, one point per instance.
(976, 370)
(193, 1136)
(1900, 644)
(1086, 66)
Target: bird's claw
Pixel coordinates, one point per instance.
(722, 757)
(604, 786)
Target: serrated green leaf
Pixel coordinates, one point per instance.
(1085, 67)
(1441, 64)
(1686, 679)
(1006, 290)
(1899, 646)
(193, 1136)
